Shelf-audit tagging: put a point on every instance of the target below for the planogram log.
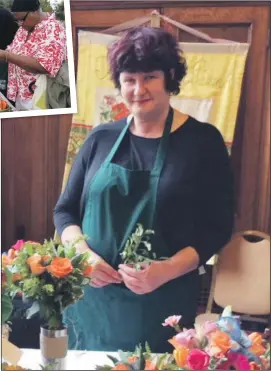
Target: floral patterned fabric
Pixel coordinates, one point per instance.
(47, 44)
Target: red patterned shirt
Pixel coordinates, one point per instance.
(47, 44)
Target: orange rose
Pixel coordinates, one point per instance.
(17, 277)
(34, 263)
(180, 355)
(120, 366)
(257, 341)
(257, 349)
(220, 340)
(132, 359)
(254, 366)
(149, 365)
(60, 267)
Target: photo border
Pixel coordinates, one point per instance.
(56, 111)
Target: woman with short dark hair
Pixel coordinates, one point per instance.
(8, 29)
(160, 168)
(38, 48)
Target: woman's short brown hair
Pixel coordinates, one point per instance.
(145, 49)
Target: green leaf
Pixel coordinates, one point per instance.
(113, 359)
(7, 307)
(61, 251)
(103, 368)
(29, 249)
(70, 252)
(147, 347)
(35, 308)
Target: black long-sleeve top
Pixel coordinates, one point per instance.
(195, 201)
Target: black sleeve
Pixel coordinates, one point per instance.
(214, 222)
(67, 209)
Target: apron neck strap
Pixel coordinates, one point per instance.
(161, 152)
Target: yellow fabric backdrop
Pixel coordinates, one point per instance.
(210, 92)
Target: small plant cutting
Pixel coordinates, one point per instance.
(220, 345)
(51, 276)
(138, 249)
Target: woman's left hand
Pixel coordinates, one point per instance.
(146, 280)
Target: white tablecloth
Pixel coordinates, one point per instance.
(76, 359)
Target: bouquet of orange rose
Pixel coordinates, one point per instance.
(220, 345)
(50, 276)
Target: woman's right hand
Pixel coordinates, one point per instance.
(103, 274)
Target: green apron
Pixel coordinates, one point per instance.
(114, 317)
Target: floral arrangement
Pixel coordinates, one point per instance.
(220, 345)
(50, 276)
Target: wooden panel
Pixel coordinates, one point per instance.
(142, 4)
(33, 158)
(262, 214)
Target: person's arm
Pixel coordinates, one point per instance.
(28, 64)
(214, 220)
(68, 222)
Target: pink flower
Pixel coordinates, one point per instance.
(237, 360)
(187, 338)
(209, 327)
(18, 245)
(198, 360)
(172, 321)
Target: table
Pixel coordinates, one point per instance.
(76, 359)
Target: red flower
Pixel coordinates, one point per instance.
(18, 245)
(120, 111)
(198, 360)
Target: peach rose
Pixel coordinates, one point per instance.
(132, 359)
(221, 341)
(6, 260)
(11, 254)
(60, 267)
(87, 269)
(149, 365)
(121, 366)
(181, 355)
(34, 263)
(256, 347)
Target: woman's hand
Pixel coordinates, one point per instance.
(146, 280)
(2, 55)
(103, 274)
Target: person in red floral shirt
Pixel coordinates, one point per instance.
(39, 47)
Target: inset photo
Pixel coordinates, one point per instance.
(36, 58)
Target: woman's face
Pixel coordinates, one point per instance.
(25, 20)
(144, 92)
